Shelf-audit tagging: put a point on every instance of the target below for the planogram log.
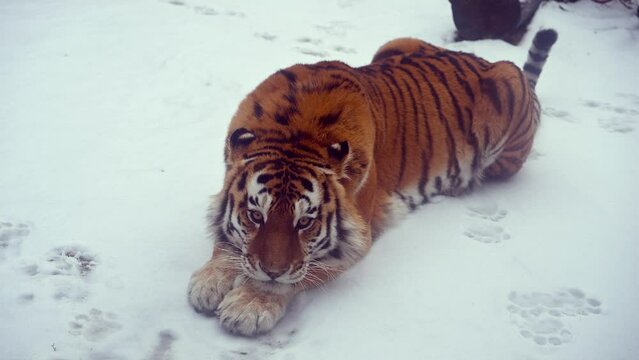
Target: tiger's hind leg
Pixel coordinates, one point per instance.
(404, 46)
(516, 149)
(510, 161)
(509, 111)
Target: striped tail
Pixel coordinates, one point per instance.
(538, 53)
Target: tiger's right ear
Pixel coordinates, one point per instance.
(238, 140)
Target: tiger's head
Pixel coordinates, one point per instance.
(288, 208)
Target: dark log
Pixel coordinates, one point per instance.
(501, 19)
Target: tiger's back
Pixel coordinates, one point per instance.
(449, 119)
(422, 120)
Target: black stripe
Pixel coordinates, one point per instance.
(453, 162)
(326, 193)
(264, 178)
(307, 184)
(342, 234)
(400, 122)
(386, 54)
(257, 110)
(522, 120)
(529, 68)
(428, 133)
(289, 75)
(367, 71)
(309, 150)
(282, 118)
(489, 88)
(222, 208)
(394, 98)
(329, 119)
(510, 97)
(423, 178)
(536, 57)
(442, 77)
(229, 226)
(242, 183)
(471, 67)
(291, 98)
(460, 75)
(415, 116)
(336, 253)
(421, 96)
(221, 236)
(438, 184)
(473, 141)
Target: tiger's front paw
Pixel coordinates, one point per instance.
(249, 311)
(208, 286)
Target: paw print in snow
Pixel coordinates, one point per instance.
(71, 261)
(556, 113)
(163, 349)
(616, 118)
(11, 236)
(65, 268)
(541, 317)
(268, 345)
(335, 28)
(265, 36)
(617, 124)
(488, 210)
(94, 326)
(486, 231)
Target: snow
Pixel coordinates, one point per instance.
(112, 123)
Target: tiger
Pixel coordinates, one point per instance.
(321, 158)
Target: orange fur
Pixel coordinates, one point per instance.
(418, 121)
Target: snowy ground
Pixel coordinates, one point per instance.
(112, 121)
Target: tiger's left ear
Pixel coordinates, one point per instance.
(237, 141)
(339, 155)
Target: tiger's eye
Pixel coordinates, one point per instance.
(304, 222)
(256, 217)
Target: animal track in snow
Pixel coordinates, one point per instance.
(11, 237)
(617, 124)
(94, 326)
(541, 317)
(162, 350)
(67, 266)
(616, 118)
(307, 40)
(66, 261)
(311, 52)
(486, 231)
(344, 50)
(204, 10)
(269, 345)
(315, 47)
(266, 36)
(488, 210)
(556, 113)
(335, 28)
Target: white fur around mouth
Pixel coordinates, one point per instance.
(273, 286)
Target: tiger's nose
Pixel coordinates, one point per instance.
(274, 274)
